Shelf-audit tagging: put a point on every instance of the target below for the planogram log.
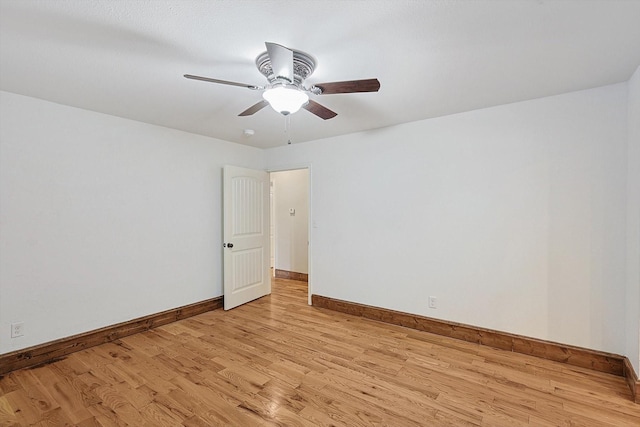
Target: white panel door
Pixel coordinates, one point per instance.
(246, 235)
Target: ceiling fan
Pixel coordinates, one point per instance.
(286, 70)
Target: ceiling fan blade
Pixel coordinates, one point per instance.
(281, 60)
(224, 82)
(254, 108)
(351, 86)
(319, 110)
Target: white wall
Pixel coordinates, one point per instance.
(513, 216)
(103, 219)
(633, 224)
(291, 190)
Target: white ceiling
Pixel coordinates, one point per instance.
(127, 57)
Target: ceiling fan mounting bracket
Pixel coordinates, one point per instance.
(303, 66)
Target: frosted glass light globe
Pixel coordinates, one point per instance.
(285, 100)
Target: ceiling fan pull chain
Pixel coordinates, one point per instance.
(287, 128)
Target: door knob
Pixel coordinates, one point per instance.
(229, 245)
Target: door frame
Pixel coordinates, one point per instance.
(299, 166)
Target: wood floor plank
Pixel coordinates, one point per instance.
(155, 414)
(37, 392)
(24, 410)
(277, 361)
(8, 416)
(55, 418)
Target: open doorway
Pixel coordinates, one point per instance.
(290, 213)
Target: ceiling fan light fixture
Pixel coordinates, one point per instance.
(285, 100)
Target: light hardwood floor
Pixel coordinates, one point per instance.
(277, 361)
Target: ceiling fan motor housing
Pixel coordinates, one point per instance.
(303, 66)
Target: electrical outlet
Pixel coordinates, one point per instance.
(433, 302)
(17, 329)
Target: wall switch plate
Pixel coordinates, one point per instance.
(17, 329)
(433, 302)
